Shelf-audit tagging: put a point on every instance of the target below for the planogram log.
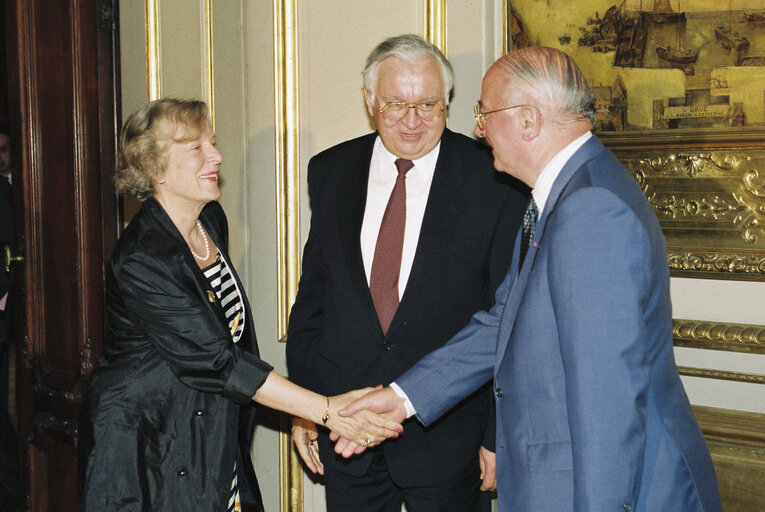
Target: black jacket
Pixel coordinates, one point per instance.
(170, 406)
(335, 342)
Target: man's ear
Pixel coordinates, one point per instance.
(370, 99)
(531, 122)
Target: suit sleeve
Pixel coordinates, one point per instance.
(305, 330)
(598, 275)
(185, 331)
(447, 375)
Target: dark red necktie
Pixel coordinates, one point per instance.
(386, 264)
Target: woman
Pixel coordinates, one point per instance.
(168, 419)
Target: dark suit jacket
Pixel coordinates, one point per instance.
(335, 343)
(591, 412)
(170, 406)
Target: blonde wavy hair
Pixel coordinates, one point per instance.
(145, 137)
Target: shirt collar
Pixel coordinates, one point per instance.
(553, 168)
(423, 166)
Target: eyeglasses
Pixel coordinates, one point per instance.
(480, 117)
(396, 110)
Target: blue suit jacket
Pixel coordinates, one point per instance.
(591, 412)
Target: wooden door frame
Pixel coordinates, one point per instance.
(48, 398)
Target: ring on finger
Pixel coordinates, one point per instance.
(368, 441)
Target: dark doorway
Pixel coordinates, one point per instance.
(62, 87)
(9, 468)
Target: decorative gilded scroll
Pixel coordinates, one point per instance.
(710, 204)
(750, 378)
(719, 336)
(728, 263)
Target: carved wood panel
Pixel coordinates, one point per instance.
(736, 441)
(62, 67)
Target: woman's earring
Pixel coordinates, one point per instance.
(161, 181)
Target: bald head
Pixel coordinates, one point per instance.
(534, 102)
(551, 79)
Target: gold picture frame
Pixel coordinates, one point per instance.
(691, 133)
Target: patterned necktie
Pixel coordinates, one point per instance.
(529, 226)
(386, 263)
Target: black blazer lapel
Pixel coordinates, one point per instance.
(351, 203)
(163, 222)
(446, 202)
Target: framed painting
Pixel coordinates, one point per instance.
(680, 94)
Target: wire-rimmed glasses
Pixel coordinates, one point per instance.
(395, 111)
(480, 117)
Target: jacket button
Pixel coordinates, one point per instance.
(627, 507)
(200, 412)
(498, 392)
(181, 472)
(387, 346)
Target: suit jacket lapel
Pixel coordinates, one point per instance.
(351, 202)
(163, 223)
(446, 202)
(582, 155)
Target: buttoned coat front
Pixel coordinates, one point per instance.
(170, 406)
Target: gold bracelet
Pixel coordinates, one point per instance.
(325, 418)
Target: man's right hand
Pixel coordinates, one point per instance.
(383, 401)
(304, 435)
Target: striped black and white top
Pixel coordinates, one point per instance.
(225, 287)
(230, 297)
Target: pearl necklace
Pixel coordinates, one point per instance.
(206, 241)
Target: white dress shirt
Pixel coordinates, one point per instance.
(382, 178)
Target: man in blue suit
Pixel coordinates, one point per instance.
(591, 412)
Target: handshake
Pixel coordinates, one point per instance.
(357, 420)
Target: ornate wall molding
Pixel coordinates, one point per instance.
(724, 264)
(719, 336)
(208, 62)
(287, 132)
(750, 378)
(693, 164)
(153, 84)
(736, 441)
(749, 339)
(710, 203)
(435, 23)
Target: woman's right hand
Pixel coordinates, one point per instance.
(365, 428)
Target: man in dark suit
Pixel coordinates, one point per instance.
(591, 412)
(411, 232)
